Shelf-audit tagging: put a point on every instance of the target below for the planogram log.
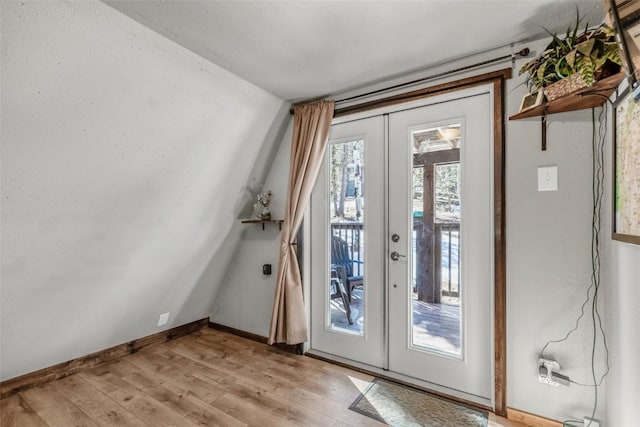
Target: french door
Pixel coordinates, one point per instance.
(402, 243)
(347, 208)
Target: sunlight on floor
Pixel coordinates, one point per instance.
(361, 385)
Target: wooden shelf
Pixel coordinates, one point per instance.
(589, 97)
(263, 222)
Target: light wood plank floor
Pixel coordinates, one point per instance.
(208, 378)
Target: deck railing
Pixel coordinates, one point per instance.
(353, 234)
(447, 258)
(437, 262)
(446, 253)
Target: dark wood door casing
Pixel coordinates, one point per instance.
(497, 80)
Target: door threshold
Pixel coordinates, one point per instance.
(446, 392)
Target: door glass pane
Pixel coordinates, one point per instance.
(436, 297)
(346, 239)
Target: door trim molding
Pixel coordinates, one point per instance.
(500, 252)
(426, 92)
(497, 79)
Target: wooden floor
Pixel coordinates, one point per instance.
(209, 378)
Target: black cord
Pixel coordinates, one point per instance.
(597, 188)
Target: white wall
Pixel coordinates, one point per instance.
(126, 160)
(548, 273)
(548, 261)
(245, 300)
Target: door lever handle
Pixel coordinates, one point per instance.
(395, 256)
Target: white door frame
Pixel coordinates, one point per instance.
(473, 369)
(497, 80)
(368, 345)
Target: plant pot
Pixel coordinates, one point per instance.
(575, 82)
(266, 214)
(564, 87)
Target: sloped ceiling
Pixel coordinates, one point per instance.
(304, 49)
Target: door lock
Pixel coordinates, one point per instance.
(395, 238)
(395, 256)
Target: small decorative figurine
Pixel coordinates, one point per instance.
(261, 207)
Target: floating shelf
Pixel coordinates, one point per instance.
(588, 97)
(264, 221)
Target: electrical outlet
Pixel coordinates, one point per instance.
(163, 319)
(590, 422)
(549, 373)
(546, 370)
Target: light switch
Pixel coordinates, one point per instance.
(548, 178)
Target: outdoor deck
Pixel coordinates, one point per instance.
(435, 325)
(436, 302)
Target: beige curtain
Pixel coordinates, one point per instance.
(311, 124)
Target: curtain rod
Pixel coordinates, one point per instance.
(522, 53)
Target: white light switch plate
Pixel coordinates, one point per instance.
(548, 178)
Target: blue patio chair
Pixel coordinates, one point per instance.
(342, 262)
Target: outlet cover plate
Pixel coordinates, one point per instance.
(548, 178)
(163, 319)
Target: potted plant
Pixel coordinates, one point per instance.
(574, 62)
